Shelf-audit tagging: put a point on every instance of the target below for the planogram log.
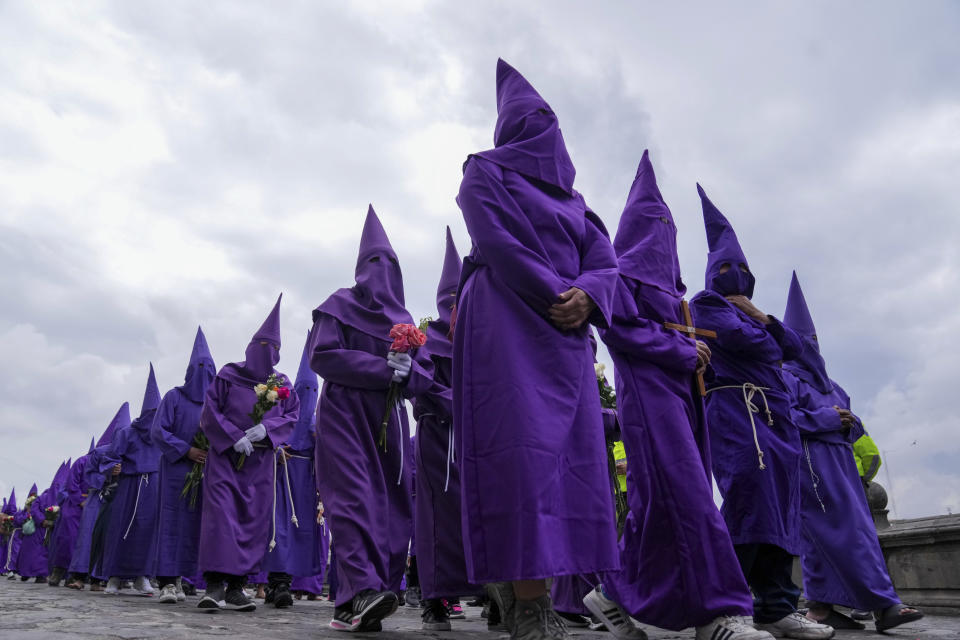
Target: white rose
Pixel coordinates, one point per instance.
(272, 396)
(599, 368)
(260, 389)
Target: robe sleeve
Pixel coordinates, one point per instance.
(347, 367)
(599, 273)
(281, 420)
(645, 339)
(735, 333)
(161, 431)
(790, 343)
(114, 453)
(421, 375)
(505, 238)
(221, 433)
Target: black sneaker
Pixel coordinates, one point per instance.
(494, 622)
(213, 599)
(435, 616)
(370, 606)
(343, 618)
(237, 600)
(189, 589)
(412, 597)
(373, 626)
(574, 620)
(281, 596)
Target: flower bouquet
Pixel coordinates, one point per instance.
(268, 393)
(50, 515)
(406, 339)
(191, 484)
(6, 525)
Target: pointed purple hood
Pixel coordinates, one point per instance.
(438, 330)
(527, 137)
(810, 366)
(11, 507)
(724, 248)
(646, 240)
(92, 444)
(148, 409)
(33, 490)
(120, 420)
(200, 371)
(376, 302)
(308, 392)
(263, 353)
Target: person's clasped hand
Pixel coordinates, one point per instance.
(572, 309)
(257, 432)
(401, 363)
(244, 446)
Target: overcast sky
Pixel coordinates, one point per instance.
(164, 165)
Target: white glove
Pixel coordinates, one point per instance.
(401, 363)
(244, 446)
(257, 432)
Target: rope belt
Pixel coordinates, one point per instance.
(6, 567)
(451, 449)
(286, 473)
(133, 516)
(749, 390)
(813, 476)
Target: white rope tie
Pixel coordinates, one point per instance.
(293, 510)
(396, 408)
(273, 509)
(133, 516)
(13, 533)
(451, 455)
(749, 390)
(813, 476)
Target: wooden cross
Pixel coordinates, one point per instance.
(691, 332)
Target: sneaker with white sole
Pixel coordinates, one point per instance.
(731, 628)
(142, 584)
(113, 587)
(213, 598)
(797, 626)
(613, 616)
(502, 595)
(537, 620)
(181, 596)
(168, 594)
(237, 600)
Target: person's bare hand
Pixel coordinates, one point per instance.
(572, 309)
(703, 356)
(744, 304)
(116, 469)
(621, 467)
(197, 455)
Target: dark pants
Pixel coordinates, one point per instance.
(413, 574)
(768, 570)
(214, 579)
(332, 575)
(163, 581)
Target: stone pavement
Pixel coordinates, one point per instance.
(33, 612)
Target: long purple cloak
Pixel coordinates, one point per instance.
(840, 553)
(365, 490)
(300, 549)
(237, 505)
(526, 409)
(7, 552)
(679, 568)
(174, 427)
(760, 505)
(439, 537)
(130, 542)
(32, 559)
(71, 510)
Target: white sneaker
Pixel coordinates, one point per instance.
(614, 617)
(181, 596)
(142, 584)
(798, 626)
(113, 586)
(168, 594)
(731, 628)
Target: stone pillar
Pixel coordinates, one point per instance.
(877, 499)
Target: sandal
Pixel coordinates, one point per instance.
(839, 621)
(76, 584)
(892, 617)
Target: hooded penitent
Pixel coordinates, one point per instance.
(439, 541)
(540, 453)
(130, 542)
(173, 430)
(841, 556)
(679, 568)
(350, 344)
(32, 558)
(237, 504)
(724, 249)
(301, 549)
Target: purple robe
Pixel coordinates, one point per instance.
(760, 505)
(174, 427)
(32, 557)
(235, 527)
(534, 475)
(365, 490)
(314, 584)
(679, 568)
(10, 542)
(71, 510)
(840, 553)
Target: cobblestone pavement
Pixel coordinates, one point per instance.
(34, 612)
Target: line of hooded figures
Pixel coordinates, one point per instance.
(510, 492)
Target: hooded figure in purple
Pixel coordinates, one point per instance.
(238, 504)
(527, 414)
(93, 482)
(439, 541)
(130, 544)
(32, 558)
(754, 443)
(11, 542)
(300, 548)
(366, 490)
(173, 429)
(679, 568)
(71, 509)
(839, 550)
